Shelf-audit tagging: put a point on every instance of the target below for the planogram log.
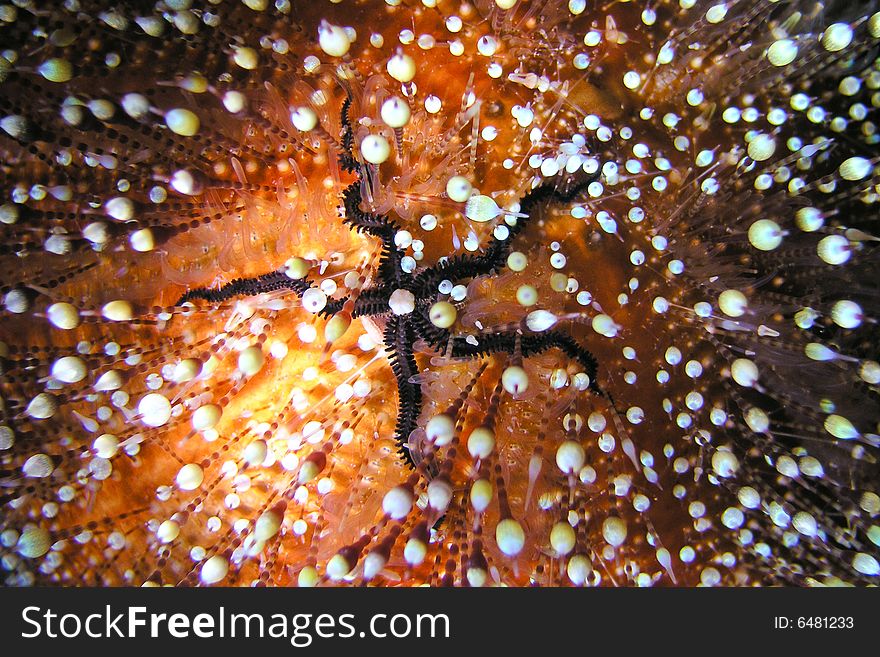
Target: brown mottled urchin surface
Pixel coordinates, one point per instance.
(718, 261)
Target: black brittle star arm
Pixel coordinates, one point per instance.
(491, 261)
(399, 337)
(248, 287)
(487, 343)
(346, 158)
(530, 345)
(492, 342)
(379, 226)
(494, 258)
